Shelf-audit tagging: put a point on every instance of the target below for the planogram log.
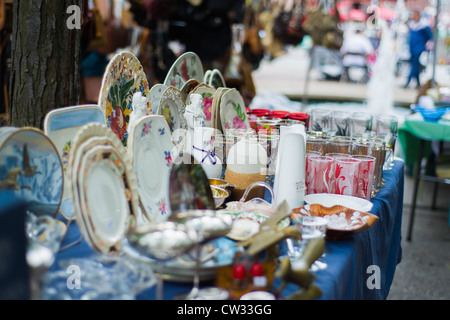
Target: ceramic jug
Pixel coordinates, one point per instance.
(246, 164)
(202, 151)
(289, 184)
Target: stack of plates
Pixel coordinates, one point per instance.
(103, 186)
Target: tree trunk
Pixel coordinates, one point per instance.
(45, 54)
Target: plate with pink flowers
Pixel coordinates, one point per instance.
(124, 76)
(187, 66)
(151, 150)
(207, 93)
(232, 111)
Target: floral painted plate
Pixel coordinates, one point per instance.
(188, 87)
(156, 93)
(124, 76)
(232, 111)
(151, 152)
(172, 107)
(207, 94)
(187, 66)
(31, 168)
(61, 126)
(215, 118)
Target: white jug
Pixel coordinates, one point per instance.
(289, 184)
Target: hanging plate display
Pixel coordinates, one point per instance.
(31, 168)
(124, 76)
(151, 152)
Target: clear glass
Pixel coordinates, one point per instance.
(311, 227)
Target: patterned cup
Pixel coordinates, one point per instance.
(365, 177)
(320, 174)
(346, 173)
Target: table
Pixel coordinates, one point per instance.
(415, 136)
(349, 261)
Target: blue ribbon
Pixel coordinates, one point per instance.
(209, 154)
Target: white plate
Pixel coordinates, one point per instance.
(172, 107)
(61, 125)
(151, 152)
(105, 205)
(329, 200)
(187, 66)
(156, 93)
(232, 111)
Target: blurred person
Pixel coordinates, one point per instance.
(204, 27)
(419, 35)
(355, 51)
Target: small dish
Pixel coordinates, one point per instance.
(343, 221)
(219, 195)
(329, 200)
(246, 224)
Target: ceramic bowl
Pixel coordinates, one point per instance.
(430, 114)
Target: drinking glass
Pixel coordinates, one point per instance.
(361, 124)
(340, 145)
(319, 175)
(320, 120)
(316, 144)
(346, 171)
(387, 128)
(365, 176)
(311, 227)
(340, 123)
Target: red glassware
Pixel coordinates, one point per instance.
(279, 115)
(301, 116)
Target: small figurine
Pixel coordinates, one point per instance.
(139, 105)
(194, 115)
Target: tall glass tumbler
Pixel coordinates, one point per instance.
(340, 123)
(320, 174)
(365, 176)
(361, 124)
(346, 173)
(320, 120)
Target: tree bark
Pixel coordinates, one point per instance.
(46, 63)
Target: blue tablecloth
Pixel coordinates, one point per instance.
(351, 263)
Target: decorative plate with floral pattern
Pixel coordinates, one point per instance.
(207, 94)
(124, 76)
(232, 111)
(172, 107)
(151, 150)
(187, 66)
(156, 93)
